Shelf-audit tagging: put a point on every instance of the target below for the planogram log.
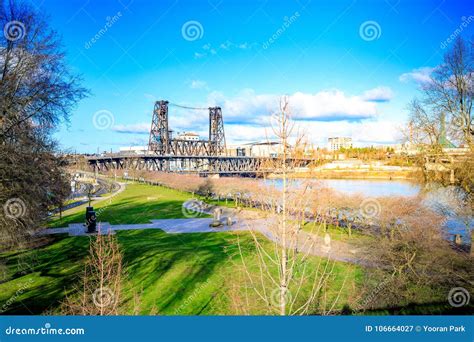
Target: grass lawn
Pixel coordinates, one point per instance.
(169, 273)
(139, 203)
(336, 233)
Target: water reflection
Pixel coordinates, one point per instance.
(364, 187)
(448, 201)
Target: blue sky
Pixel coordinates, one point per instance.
(348, 67)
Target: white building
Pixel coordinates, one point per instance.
(134, 149)
(256, 149)
(266, 149)
(336, 143)
(188, 136)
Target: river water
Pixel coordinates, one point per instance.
(372, 188)
(438, 198)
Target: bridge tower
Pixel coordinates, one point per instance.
(217, 146)
(443, 140)
(159, 133)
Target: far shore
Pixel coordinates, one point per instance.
(356, 174)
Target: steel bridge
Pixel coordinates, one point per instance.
(168, 154)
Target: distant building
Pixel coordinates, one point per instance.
(256, 149)
(188, 136)
(134, 149)
(266, 149)
(336, 143)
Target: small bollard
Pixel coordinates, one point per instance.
(217, 214)
(90, 220)
(327, 243)
(457, 239)
(217, 218)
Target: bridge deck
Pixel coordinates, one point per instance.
(244, 165)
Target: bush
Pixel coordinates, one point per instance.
(205, 189)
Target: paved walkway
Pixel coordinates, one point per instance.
(305, 242)
(80, 200)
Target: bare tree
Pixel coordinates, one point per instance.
(36, 86)
(451, 89)
(448, 95)
(36, 93)
(424, 127)
(101, 282)
(412, 262)
(283, 277)
(444, 110)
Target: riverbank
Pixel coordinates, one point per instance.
(356, 174)
(358, 169)
(191, 271)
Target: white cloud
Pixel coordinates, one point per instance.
(140, 128)
(150, 97)
(321, 115)
(331, 105)
(246, 133)
(226, 45)
(376, 132)
(207, 49)
(379, 94)
(198, 84)
(420, 75)
(328, 105)
(188, 120)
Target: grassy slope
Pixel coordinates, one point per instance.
(171, 274)
(336, 232)
(137, 204)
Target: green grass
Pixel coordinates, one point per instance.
(169, 273)
(139, 203)
(36, 279)
(336, 233)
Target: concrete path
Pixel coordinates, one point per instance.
(80, 200)
(304, 243)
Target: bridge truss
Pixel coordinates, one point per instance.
(162, 143)
(168, 154)
(223, 165)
